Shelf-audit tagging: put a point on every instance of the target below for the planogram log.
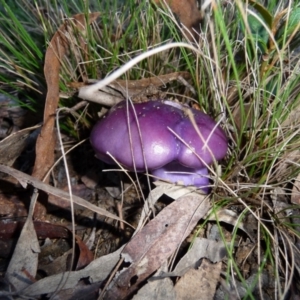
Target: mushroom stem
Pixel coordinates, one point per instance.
(179, 174)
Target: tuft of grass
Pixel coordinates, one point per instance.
(247, 77)
(257, 82)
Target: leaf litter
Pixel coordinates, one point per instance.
(146, 252)
(145, 265)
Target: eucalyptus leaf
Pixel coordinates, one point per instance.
(263, 11)
(259, 32)
(294, 19)
(288, 27)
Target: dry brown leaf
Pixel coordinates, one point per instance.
(160, 285)
(11, 205)
(63, 262)
(156, 290)
(162, 188)
(230, 217)
(210, 249)
(156, 242)
(199, 284)
(188, 14)
(78, 190)
(12, 146)
(120, 89)
(85, 254)
(146, 86)
(46, 141)
(22, 267)
(288, 159)
(171, 190)
(81, 291)
(97, 271)
(9, 230)
(293, 118)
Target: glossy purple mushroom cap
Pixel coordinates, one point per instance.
(207, 144)
(151, 135)
(137, 137)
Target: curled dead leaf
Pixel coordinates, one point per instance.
(188, 14)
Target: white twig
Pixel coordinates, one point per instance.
(89, 92)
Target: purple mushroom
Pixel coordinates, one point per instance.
(159, 137)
